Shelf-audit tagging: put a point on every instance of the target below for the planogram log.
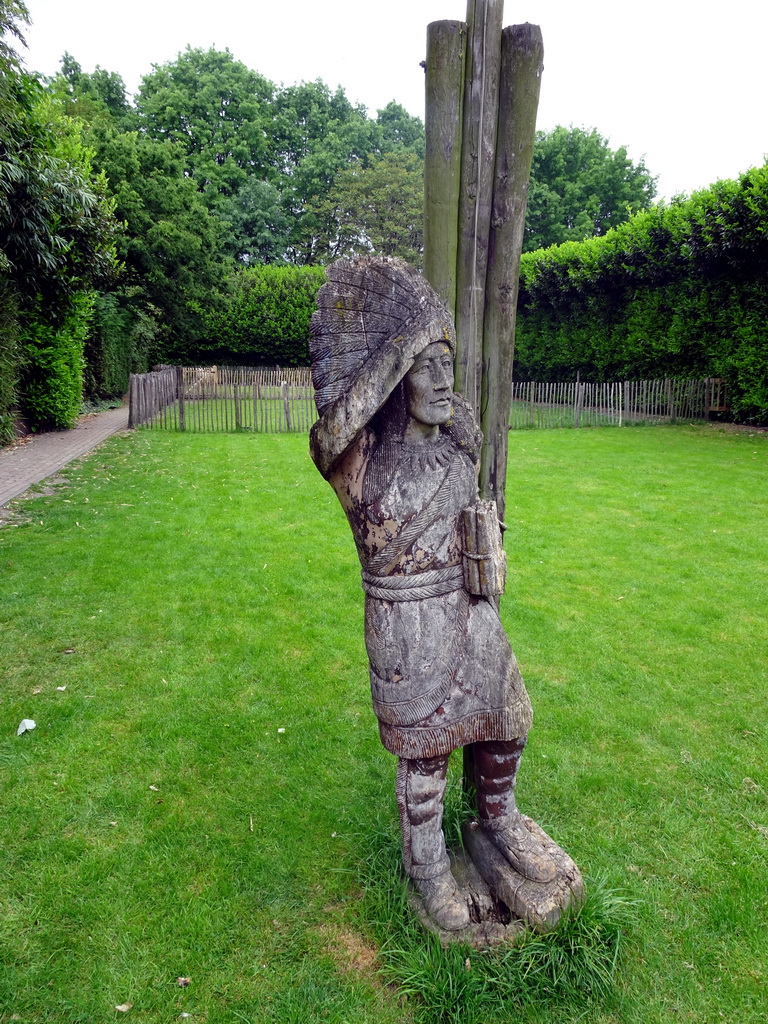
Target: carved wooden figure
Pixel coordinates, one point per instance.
(401, 450)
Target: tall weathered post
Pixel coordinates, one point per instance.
(478, 146)
(497, 101)
(483, 104)
(446, 55)
(522, 62)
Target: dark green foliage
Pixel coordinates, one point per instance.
(256, 228)
(9, 359)
(170, 246)
(214, 107)
(213, 165)
(57, 243)
(319, 134)
(399, 130)
(52, 387)
(122, 340)
(12, 14)
(580, 187)
(98, 95)
(378, 208)
(676, 291)
(57, 230)
(267, 320)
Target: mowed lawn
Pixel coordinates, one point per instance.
(182, 619)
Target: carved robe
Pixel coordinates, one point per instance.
(442, 671)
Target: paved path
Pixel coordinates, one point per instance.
(37, 457)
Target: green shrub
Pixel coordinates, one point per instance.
(676, 291)
(52, 385)
(9, 360)
(122, 340)
(267, 319)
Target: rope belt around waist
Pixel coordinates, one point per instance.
(431, 583)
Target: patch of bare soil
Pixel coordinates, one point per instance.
(739, 428)
(350, 951)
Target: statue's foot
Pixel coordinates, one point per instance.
(523, 850)
(443, 901)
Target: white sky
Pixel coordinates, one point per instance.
(679, 82)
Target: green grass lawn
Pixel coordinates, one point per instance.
(207, 797)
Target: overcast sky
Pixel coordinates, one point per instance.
(679, 82)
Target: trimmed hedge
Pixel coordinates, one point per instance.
(267, 319)
(51, 388)
(678, 290)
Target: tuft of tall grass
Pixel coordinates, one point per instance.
(574, 965)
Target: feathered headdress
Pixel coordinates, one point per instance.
(365, 302)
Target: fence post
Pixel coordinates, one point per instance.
(670, 400)
(180, 393)
(286, 405)
(577, 400)
(238, 418)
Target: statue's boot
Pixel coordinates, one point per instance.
(496, 766)
(420, 793)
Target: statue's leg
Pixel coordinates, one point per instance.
(496, 766)
(420, 792)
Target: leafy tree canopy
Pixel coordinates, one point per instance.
(377, 208)
(171, 245)
(399, 130)
(96, 95)
(217, 110)
(266, 158)
(57, 229)
(580, 187)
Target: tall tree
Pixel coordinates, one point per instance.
(581, 187)
(171, 245)
(96, 95)
(255, 226)
(315, 135)
(217, 110)
(400, 130)
(378, 208)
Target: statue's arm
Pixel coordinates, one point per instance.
(377, 378)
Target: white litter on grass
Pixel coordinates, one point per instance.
(26, 725)
(281, 730)
(61, 689)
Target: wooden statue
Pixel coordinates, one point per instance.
(401, 451)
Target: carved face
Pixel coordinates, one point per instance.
(429, 385)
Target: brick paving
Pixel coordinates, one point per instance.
(34, 458)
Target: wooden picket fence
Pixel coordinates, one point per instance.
(221, 399)
(580, 404)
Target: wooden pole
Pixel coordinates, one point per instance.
(446, 48)
(180, 394)
(522, 62)
(478, 145)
